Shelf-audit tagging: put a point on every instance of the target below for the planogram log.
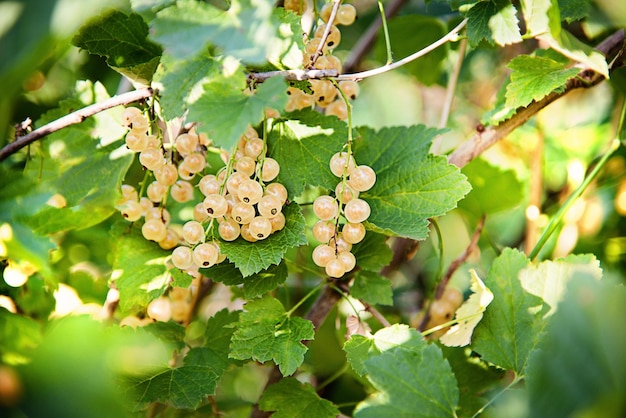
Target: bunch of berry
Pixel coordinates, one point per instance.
(242, 199)
(334, 251)
(324, 93)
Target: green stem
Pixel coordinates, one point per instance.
(386, 32)
(558, 217)
(301, 301)
(333, 377)
(492, 400)
(440, 248)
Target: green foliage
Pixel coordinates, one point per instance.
(494, 22)
(122, 39)
(427, 386)
(588, 376)
(372, 288)
(408, 191)
(532, 78)
(266, 332)
(254, 285)
(290, 398)
(511, 327)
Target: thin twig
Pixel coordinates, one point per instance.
(365, 42)
(451, 36)
(292, 75)
(327, 29)
(73, 119)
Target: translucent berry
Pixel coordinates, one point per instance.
(326, 11)
(182, 191)
(323, 254)
(325, 208)
(338, 108)
(270, 169)
(441, 311)
(160, 214)
(323, 231)
(205, 255)
(269, 206)
(129, 192)
(139, 124)
(335, 268)
(156, 191)
(338, 163)
(357, 211)
(136, 141)
(160, 309)
(348, 259)
(167, 174)
(209, 185)
(250, 191)
(350, 88)
(324, 92)
(194, 162)
(246, 165)
(234, 180)
(278, 222)
(199, 213)
(277, 190)
(242, 213)
(260, 227)
(334, 37)
(353, 233)
(186, 144)
(129, 114)
(215, 205)
(131, 210)
(345, 193)
(328, 62)
(171, 239)
(254, 147)
(229, 230)
(339, 244)
(362, 178)
(453, 295)
(151, 158)
(245, 233)
(346, 14)
(154, 230)
(193, 232)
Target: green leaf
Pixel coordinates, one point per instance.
(224, 111)
(373, 253)
(572, 10)
(493, 189)
(372, 288)
(409, 375)
(248, 31)
(303, 145)
(533, 78)
(411, 33)
(475, 379)
(291, 398)
(20, 336)
(549, 279)
(254, 285)
(219, 332)
(579, 368)
(172, 332)
(265, 332)
(493, 21)
(253, 258)
(511, 327)
(412, 185)
(182, 387)
(179, 79)
(139, 267)
(122, 39)
(541, 16)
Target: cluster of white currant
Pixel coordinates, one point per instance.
(242, 198)
(324, 93)
(334, 251)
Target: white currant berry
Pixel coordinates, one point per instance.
(151, 158)
(323, 254)
(250, 191)
(345, 193)
(205, 255)
(154, 230)
(234, 180)
(348, 259)
(357, 211)
(323, 231)
(246, 165)
(353, 233)
(350, 88)
(242, 213)
(186, 143)
(339, 244)
(254, 147)
(326, 11)
(215, 205)
(337, 108)
(193, 232)
(260, 227)
(277, 190)
(199, 213)
(182, 191)
(338, 163)
(167, 174)
(129, 114)
(269, 206)
(346, 14)
(131, 210)
(136, 141)
(246, 234)
(335, 268)
(278, 222)
(129, 192)
(325, 208)
(334, 37)
(153, 141)
(159, 214)
(209, 185)
(362, 178)
(139, 124)
(194, 162)
(156, 191)
(229, 230)
(270, 169)
(160, 309)
(171, 239)
(146, 204)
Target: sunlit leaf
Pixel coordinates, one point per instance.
(291, 398)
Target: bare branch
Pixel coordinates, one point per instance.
(73, 119)
(327, 29)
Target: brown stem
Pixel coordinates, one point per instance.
(73, 119)
(612, 47)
